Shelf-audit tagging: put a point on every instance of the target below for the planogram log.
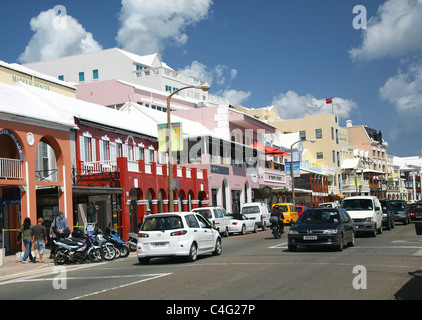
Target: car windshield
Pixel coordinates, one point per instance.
(397, 204)
(237, 216)
(162, 223)
(206, 213)
(283, 208)
(319, 216)
(248, 210)
(357, 204)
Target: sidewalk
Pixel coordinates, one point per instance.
(14, 268)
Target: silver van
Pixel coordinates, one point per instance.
(217, 216)
(258, 212)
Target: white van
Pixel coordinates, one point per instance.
(258, 212)
(366, 213)
(217, 216)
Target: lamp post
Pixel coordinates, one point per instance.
(170, 156)
(291, 167)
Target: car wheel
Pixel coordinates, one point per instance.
(226, 233)
(243, 231)
(193, 253)
(143, 261)
(218, 248)
(255, 229)
(352, 241)
(340, 246)
(292, 248)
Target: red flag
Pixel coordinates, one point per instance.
(328, 101)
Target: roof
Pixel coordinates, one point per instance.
(50, 106)
(33, 73)
(190, 128)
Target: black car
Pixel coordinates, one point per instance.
(400, 211)
(387, 214)
(322, 227)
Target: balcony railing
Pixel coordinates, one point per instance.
(10, 169)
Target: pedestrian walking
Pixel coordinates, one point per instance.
(39, 237)
(60, 230)
(25, 233)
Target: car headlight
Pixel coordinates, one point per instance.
(369, 219)
(293, 231)
(330, 231)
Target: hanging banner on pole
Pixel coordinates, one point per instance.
(176, 137)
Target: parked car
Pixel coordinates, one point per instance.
(300, 210)
(217, 216)
(366, 213)
(289, 212)
(329, 205)
(322, 227)
(387, 215)
(415, 212)
(175, 234)
(400, 211)
(258, 212)
(239, 223)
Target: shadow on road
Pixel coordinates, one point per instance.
(412, 289)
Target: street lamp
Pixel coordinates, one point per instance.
(291, 167)
(204, 88)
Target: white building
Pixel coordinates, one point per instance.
(111, 64)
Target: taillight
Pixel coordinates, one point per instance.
(178, 233)
(262, 217)
(234, 223)
(143, 235)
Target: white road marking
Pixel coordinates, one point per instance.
(156, 276)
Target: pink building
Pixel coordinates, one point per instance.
(217, 140)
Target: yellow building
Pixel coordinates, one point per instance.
(13, 73)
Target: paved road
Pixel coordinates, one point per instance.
(252, 267)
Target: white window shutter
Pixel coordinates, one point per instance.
(82, 148)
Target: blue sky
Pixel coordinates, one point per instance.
(290, 54)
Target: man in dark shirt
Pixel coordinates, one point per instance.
(39, 237)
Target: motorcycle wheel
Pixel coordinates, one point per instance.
(124, 251)
(118, 253)
(96, 255)
(109, 252)
(60, 258)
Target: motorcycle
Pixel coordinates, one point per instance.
(133, 240)
(110, 251)
(77, 250)
(117, 241)
(276, 229)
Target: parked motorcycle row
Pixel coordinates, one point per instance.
(83, 247)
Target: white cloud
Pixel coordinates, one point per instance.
(404, 90)
(57, 36)
(395, 31)
(218, 74)
(290, 105)
(236, 97)
(149, 26)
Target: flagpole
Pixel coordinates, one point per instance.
(332, 105)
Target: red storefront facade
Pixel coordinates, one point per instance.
(119, 175)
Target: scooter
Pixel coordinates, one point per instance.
(133, 240)
(276, 229)
(117, 241)
(110, 251)
(77, 250)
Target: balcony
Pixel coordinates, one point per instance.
(108, 166)
(10, 169)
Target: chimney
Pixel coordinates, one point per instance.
(349, 123)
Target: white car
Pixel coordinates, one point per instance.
(239, 223)
(177, 234)
(217, 216)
